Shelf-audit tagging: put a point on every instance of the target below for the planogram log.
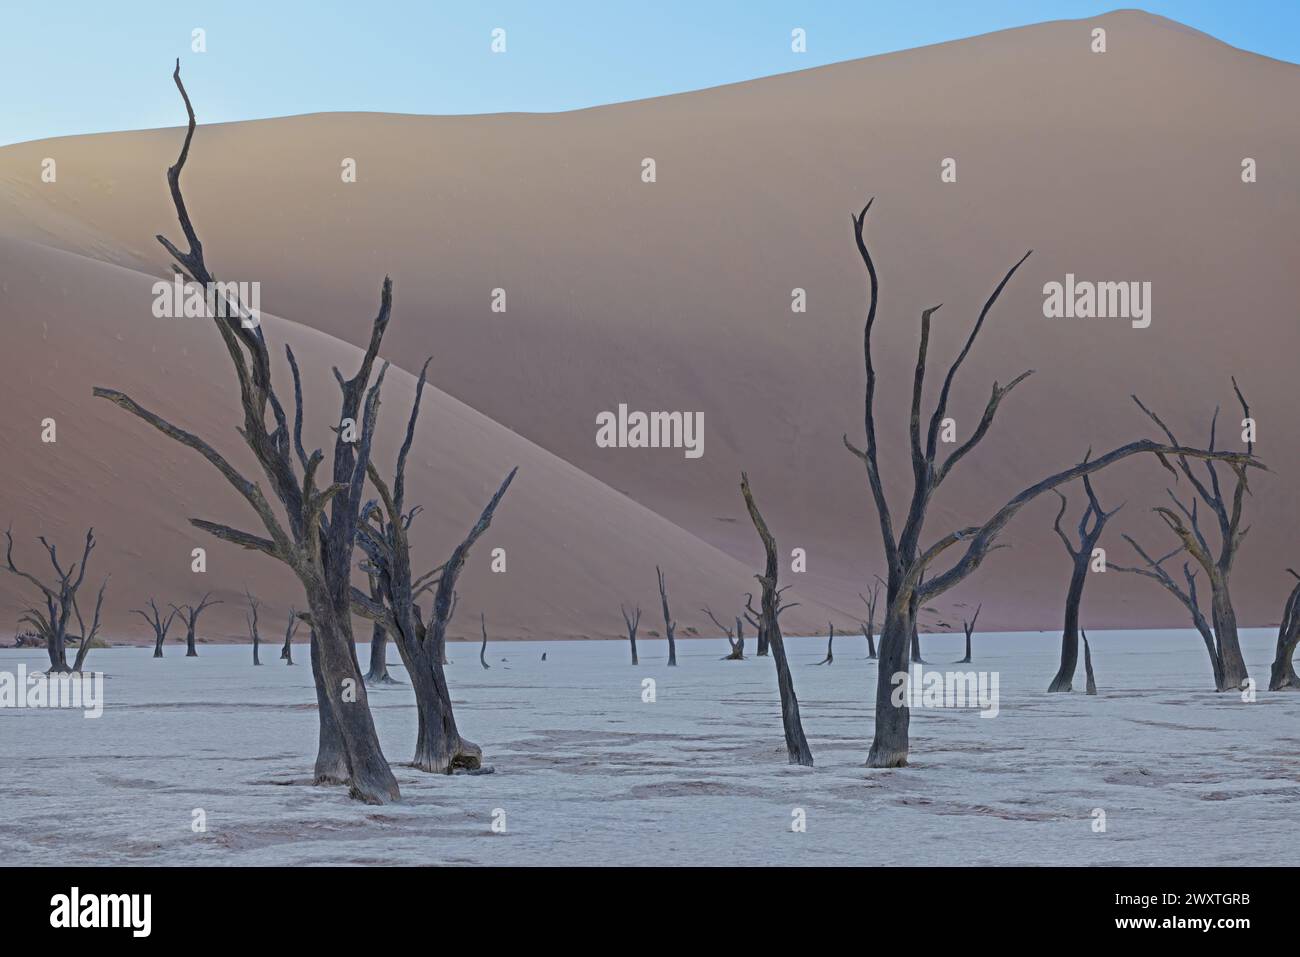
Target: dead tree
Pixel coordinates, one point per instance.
(1091, 523)
(906, 558)
(869, 626)
(752, 616)
(251, 617)
(969, 628)
(737, 652)
(290, 629)
(631, 621)
(378, 673)
(51, 623)
(384, 536)
(156, 622)
(670, 626)
(482, 649)
(1283, 675)
(796, 744)
(1091, 687)
(1186, 526)
(1154, 569)
(830, 647)
(315, 545)
(189, 615)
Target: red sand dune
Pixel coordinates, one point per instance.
(676, 296)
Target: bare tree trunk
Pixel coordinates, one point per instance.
(795, 743)
(1283, 675)
(331, 755)
(1064, 679)
(251, 617)
(670, 626)
(632, 621)
(1224, 617)
(1092, 522)
(889, 745)
(969, 628)
(482, 651)
(871, 641)
(1091, 687)
(830, 647)
(378, 673)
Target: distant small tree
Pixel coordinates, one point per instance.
(159, 625)
(869, 626)
(969, 628)
(189, 615)
(482, 650)
(631, 621)
(251, 617)
(830, 646)
(290, 629)
(737, 652)
(60, 597)
(670, 626)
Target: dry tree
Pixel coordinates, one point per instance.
(1091, 687)
(969, 628)
(909, 581)
(158, 624)
(670, 626)
(869, 626)
(737, 652)
(1154, 569)
(316, 536)
(1091, 523)
(51, 623)
(830, 647)
(753, 617)
(378, 673)
(383, 534)
(189, 616)
(482, 649)
(1283, 675)
(290, 629)
(631, 621)
(769, 628)
(1186, 526)
(251, 617)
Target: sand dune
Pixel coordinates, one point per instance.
(574, 547)
(1123, 166)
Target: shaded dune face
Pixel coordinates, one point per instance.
(676, 295)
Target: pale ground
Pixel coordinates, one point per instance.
(589, 774)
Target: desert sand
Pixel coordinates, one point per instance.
(1122, 166)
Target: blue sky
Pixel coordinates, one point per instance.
(103, 65)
